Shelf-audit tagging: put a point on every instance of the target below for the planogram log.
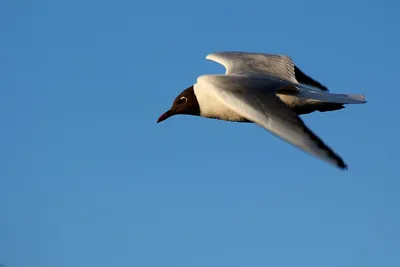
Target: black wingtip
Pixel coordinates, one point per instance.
(342, 165)
(301, 77)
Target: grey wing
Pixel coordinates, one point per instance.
(281, 66)
(256, 64)
(260, 105)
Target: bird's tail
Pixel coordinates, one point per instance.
(356, 97)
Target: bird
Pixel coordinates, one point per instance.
(269, 90)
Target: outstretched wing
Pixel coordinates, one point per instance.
(256, 64)
(281, 66)
(255, 99)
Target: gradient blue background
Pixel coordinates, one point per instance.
(88, 178)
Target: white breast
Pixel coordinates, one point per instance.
(210, 107)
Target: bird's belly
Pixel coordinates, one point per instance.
(211, 107)
(221, 112)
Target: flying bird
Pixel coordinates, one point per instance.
(268, 90)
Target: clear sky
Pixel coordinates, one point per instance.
(88, 178)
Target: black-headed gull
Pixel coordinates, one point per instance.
(266, 89)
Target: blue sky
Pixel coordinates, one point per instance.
(89, 179)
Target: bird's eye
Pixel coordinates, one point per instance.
(182, 99)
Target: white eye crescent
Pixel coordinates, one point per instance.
(183, 99)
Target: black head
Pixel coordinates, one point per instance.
(185, 103)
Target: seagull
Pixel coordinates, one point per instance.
(268, 90)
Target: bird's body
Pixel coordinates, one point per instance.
(265, 89)
(215, 109)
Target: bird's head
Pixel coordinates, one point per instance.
(185, 104)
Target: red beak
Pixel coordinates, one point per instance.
(165, 116)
